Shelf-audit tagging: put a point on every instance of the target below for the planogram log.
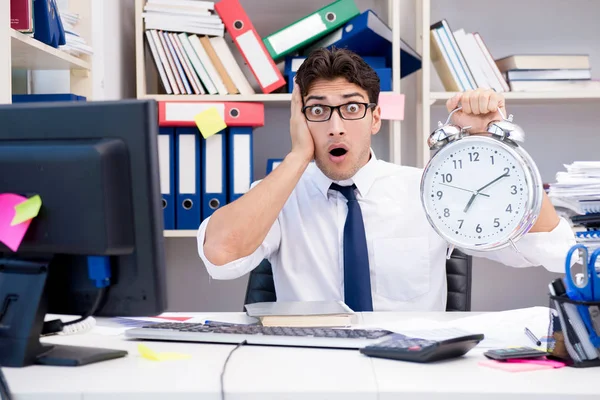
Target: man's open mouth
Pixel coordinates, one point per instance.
(338, 152)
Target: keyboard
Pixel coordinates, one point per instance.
(259, 335)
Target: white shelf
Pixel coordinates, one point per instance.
(272, 98)
(29, 53)
(439, 98)
(180, 233)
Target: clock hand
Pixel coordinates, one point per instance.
(477, 192)
(466, 190)
(492, 182)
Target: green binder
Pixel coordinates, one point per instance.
(310, 28)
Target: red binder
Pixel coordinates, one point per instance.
(249, 43)
(181, 113)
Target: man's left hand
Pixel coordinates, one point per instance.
(479, 108)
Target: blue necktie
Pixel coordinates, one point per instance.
(357, 280)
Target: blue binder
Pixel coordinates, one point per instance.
(166, 163)
(47, 24)
(272, 163)
(43, 97)
(240, 163)
(214, 174)
(377, 63)
(367, 35)
(188, 172)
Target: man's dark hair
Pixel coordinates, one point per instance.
(338, 63)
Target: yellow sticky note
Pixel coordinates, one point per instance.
(27, 210)
(209, 122)
(152, 355)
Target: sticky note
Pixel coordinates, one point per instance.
(27, 210)
(392, 106)
(513, 367)
(10, 235)
(152, 355)
(209, 122)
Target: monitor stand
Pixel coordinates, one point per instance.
(23, 306)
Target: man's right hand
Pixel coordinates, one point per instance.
(302, 141)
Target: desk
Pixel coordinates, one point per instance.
(264, 373)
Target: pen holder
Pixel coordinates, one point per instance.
(569, 336)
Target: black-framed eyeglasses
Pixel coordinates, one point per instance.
(349, 111)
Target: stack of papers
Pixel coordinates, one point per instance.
(577, 189)
(501, 329)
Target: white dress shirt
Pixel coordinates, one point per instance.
(407, 258)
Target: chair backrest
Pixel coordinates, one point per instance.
(458, 274)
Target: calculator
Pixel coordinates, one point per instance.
(514, 352)
(423, 349)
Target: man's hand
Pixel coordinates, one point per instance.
(302, 141)
(479, 108)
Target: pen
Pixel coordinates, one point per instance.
(532, 337)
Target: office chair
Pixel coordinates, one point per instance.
(458, 274)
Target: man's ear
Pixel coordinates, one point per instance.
(376, 121)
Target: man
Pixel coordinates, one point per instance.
(303, 216)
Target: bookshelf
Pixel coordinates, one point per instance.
(147, 80)
(427, 98)
(20, 51)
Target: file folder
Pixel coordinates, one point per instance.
(240, 163)
(48, 27)
(166, 164)
(246, 38)
(310, 28)
(189, 159)
(214, 189)
(368, 35)
(181, 113)
(272, 163)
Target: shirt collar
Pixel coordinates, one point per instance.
(363, 179)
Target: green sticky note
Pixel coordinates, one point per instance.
(27, 210)
(209, 122)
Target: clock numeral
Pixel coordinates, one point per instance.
(509, 208)
(460, 223)
(478, 229)
(457, 164)
(446, 212)
(446, 178)
(506, 171)
(496, 222)
(440, 194)
(513, 189)
(492, 157)
(474, 156)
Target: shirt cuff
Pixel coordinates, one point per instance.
(233, 269)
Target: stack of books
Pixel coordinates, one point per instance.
(204, 47)
(464, 62)
(548, 72)
(76, 45)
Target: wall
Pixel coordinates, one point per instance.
(556, 133)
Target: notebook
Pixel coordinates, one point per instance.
(301, 313)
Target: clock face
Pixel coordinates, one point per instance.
(476, 192)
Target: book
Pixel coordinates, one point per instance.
(543, 61)
(301, 313)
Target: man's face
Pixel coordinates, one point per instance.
(342, 146)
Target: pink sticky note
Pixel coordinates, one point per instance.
(11, 236)
(513, 367)
(392, 106)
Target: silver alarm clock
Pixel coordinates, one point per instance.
(481, 191)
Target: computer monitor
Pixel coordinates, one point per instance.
(96, 245)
